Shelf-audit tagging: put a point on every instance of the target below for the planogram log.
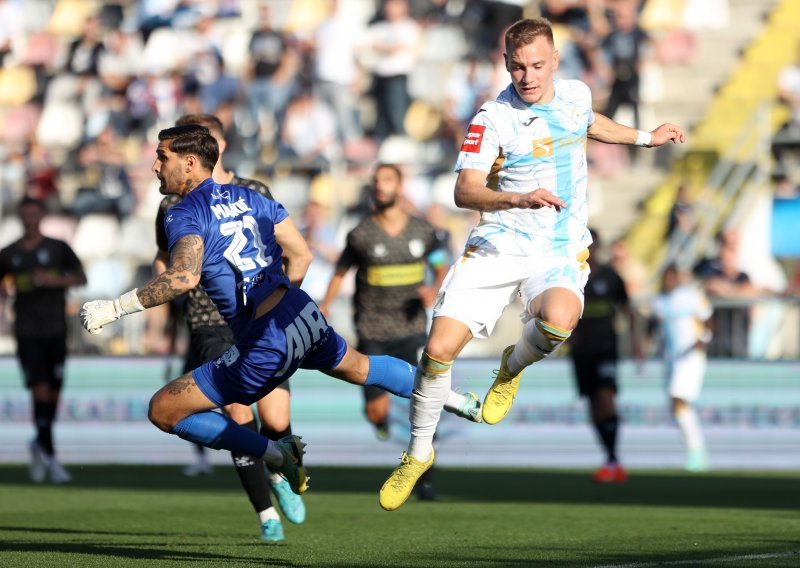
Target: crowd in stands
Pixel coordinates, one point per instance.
(312, 94)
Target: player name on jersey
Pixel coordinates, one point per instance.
(230, 210)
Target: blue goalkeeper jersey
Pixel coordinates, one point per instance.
(241, 260)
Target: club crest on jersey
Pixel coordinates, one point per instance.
(473, 139)
(379, 250)
(228, 358)
(416, 247)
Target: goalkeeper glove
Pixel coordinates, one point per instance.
(96, 314)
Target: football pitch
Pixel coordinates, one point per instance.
(151, 515)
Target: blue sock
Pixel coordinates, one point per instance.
(391, 374)
(213, 430)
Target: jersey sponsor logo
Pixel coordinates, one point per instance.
(232, 210)
(302, 334)
(221, 195)
(529, 121)
(542, 147)
(473, 139)
(396, 274)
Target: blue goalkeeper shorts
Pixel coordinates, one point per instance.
(293, 335)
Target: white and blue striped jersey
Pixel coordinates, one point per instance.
(524, 147)
(242, 261)
(682, 313)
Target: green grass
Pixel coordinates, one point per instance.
(141, 516)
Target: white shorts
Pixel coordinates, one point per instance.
(483, 282)
(685, 375)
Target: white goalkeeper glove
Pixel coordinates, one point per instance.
(96, 314)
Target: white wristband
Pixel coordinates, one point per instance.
(644, 138)
(128, 303)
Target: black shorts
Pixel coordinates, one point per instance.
(594, 371)
(209, 342)
(405, 348)
(42, 359)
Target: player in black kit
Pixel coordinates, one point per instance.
(42, 269)
(594, 353)
(392, 251)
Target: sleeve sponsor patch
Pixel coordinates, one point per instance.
(473, 139)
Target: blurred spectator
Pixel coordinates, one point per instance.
(578, 27)
(722, 279)
(787, 140)
(625, 46)
(319, 231)
(84, 53)
(308, 137)
(393, 42)
(336, 71)
(206, 77)
(118, 64)
(41, 174)
(468, 86)
(680, 216)
(105, 184)
(274, 67)
(632, 271)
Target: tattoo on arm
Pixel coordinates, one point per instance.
(186, 263)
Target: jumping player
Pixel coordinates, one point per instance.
(523, 166)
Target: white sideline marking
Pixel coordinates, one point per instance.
(717, 560)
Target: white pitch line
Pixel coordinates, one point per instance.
(717, 560)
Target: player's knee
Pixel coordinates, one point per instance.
(678, 406)
(239, 413)
(159, 414)
(439, 350)
(561, 316)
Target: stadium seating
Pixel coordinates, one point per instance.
(728, 135)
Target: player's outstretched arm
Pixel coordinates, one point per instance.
(603, 129)
(183, 274)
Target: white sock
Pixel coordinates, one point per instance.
(539, 339)
(268, 514)
(275, 477)
(454, 401)
(431, 388)
(273, 457)
(689, 425)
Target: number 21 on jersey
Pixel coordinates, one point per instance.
(236, 248)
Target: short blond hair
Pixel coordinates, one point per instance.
(524, 32)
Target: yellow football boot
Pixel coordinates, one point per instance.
(402, 481)
(501, 395)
